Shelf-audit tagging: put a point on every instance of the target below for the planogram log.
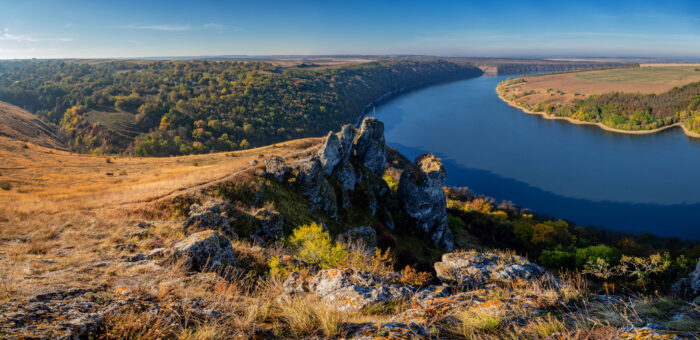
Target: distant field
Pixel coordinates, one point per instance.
(669, 76)
(564, 88)
(120, 122)
(643, 99)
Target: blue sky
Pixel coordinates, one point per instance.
(125, 28)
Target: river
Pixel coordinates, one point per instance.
(639, 183)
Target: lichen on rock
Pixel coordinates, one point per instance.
(205, 250)
(477, 270)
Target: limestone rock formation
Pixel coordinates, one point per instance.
(276, 167)
(330, 153)
(68, 313)
(423, 199)
(271, 226)
(210, 216)
(371, 144)
(346, 137)
(205, 250)
(314, 187)
(346, 289)
(476, 270)
(345, 174)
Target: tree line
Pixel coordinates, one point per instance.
(160, 108)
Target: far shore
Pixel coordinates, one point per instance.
(600, 125)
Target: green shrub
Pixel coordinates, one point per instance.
(5, 185)
(556, 259)
(585, 255)
(455, 222)
(313, 245)
(282, 266)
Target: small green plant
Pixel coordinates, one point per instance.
(313, 245)
(391, 182)
(5, 185)
(282, 266)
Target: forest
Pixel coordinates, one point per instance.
(635, 262)
(162, 108)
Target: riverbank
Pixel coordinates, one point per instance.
(600, 125)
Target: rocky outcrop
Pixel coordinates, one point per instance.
(61, 314)
(330, 153)
(271, 226)
(346, 176)
(276, 167)
(205, 250)
(363, 233)
(210, 216)
(477, 270)
(314, 187)
(329, 175)
(689, 287)
(423, 199)
(346, 138)
(371, 144)
(346, 289)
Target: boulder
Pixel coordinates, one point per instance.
(423, 199)
(276, 168)
(371, 144)
(205, 250)
(364, 233)
(688, 287)
(346, 289)
(271, 226)
(60, 314)
(209, 216)
(330, 153)
(476, 270)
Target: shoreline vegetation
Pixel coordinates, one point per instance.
(602, 126)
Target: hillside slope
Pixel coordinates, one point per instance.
(21, 125)
(279, 242)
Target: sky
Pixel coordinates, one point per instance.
(503, 28)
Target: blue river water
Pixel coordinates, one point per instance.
(638, 183)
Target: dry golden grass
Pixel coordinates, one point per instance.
(65, 212)
(22, 125)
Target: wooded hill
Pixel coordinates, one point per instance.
(159, 108)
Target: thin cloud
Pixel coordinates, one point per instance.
(7, 36)
(169, 28)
